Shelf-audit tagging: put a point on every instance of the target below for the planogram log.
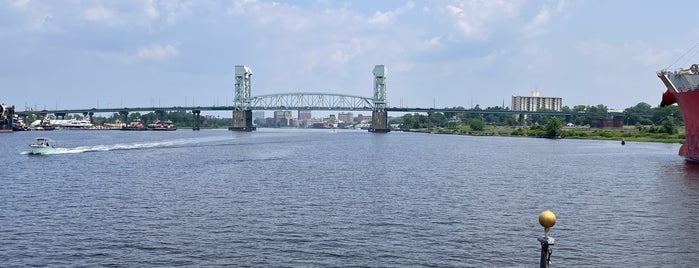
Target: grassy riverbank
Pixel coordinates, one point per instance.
(629, 133)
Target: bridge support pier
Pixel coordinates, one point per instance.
(379, 122)
(242, 121)
(196, 122)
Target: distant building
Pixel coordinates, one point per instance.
(363, 118)
(304, 118)
(282, 118)
(304, 115)
(258, 117)
(606, 123)
(347, 118)
(332, 119)
(535, 103)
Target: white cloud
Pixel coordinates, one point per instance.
(151, 9)
(21, 4)
(272, 14)
(101, 14)
(157, 52)
(536, 26)
(473, 18)
(389, 17)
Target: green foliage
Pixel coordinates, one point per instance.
(553, 128)
(180, 119)
(477, 125)
(668, 126)
(518, 132)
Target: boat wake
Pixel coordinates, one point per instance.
(137, 146)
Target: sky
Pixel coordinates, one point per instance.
(76, 54)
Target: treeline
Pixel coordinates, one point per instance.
(642, 115)
(180, 119)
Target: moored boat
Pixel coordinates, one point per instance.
(43, 124)
(73, 124)
(683, 88)
(42, 146)
(18, 124)
(160, 126)
(6, 116)
(136, 125)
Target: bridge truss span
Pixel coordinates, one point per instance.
(311, 101)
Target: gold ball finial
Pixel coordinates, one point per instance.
(547, 219)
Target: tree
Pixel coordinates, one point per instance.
(553, 128)
(477, 125)
(668, 126)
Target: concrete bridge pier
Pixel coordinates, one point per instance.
(196, 122)
(379, 122)
(520, 119)
(242, 121)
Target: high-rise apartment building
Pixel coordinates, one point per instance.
(535, 103)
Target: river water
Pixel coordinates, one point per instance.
(316, 198)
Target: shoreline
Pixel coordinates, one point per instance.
(589, 134)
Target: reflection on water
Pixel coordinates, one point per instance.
(690, 170)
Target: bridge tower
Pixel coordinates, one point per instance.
(242, 115)
(379, 116)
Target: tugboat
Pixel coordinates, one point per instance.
(159, 126)
(169, 125)
(135, 125)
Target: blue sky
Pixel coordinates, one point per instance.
(82, 54)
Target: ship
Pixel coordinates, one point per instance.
(135, 125)
(6, 114)
(167, 126)
(683, 88)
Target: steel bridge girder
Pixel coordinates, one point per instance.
(307, 100)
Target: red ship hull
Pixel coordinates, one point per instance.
(689, 106)
(688, 103)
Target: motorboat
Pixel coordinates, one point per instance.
(42, 146)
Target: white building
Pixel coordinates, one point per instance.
(535, 102)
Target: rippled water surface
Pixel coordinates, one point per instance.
(300, 198)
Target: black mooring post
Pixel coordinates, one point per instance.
(547, 219)
(546, 243)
